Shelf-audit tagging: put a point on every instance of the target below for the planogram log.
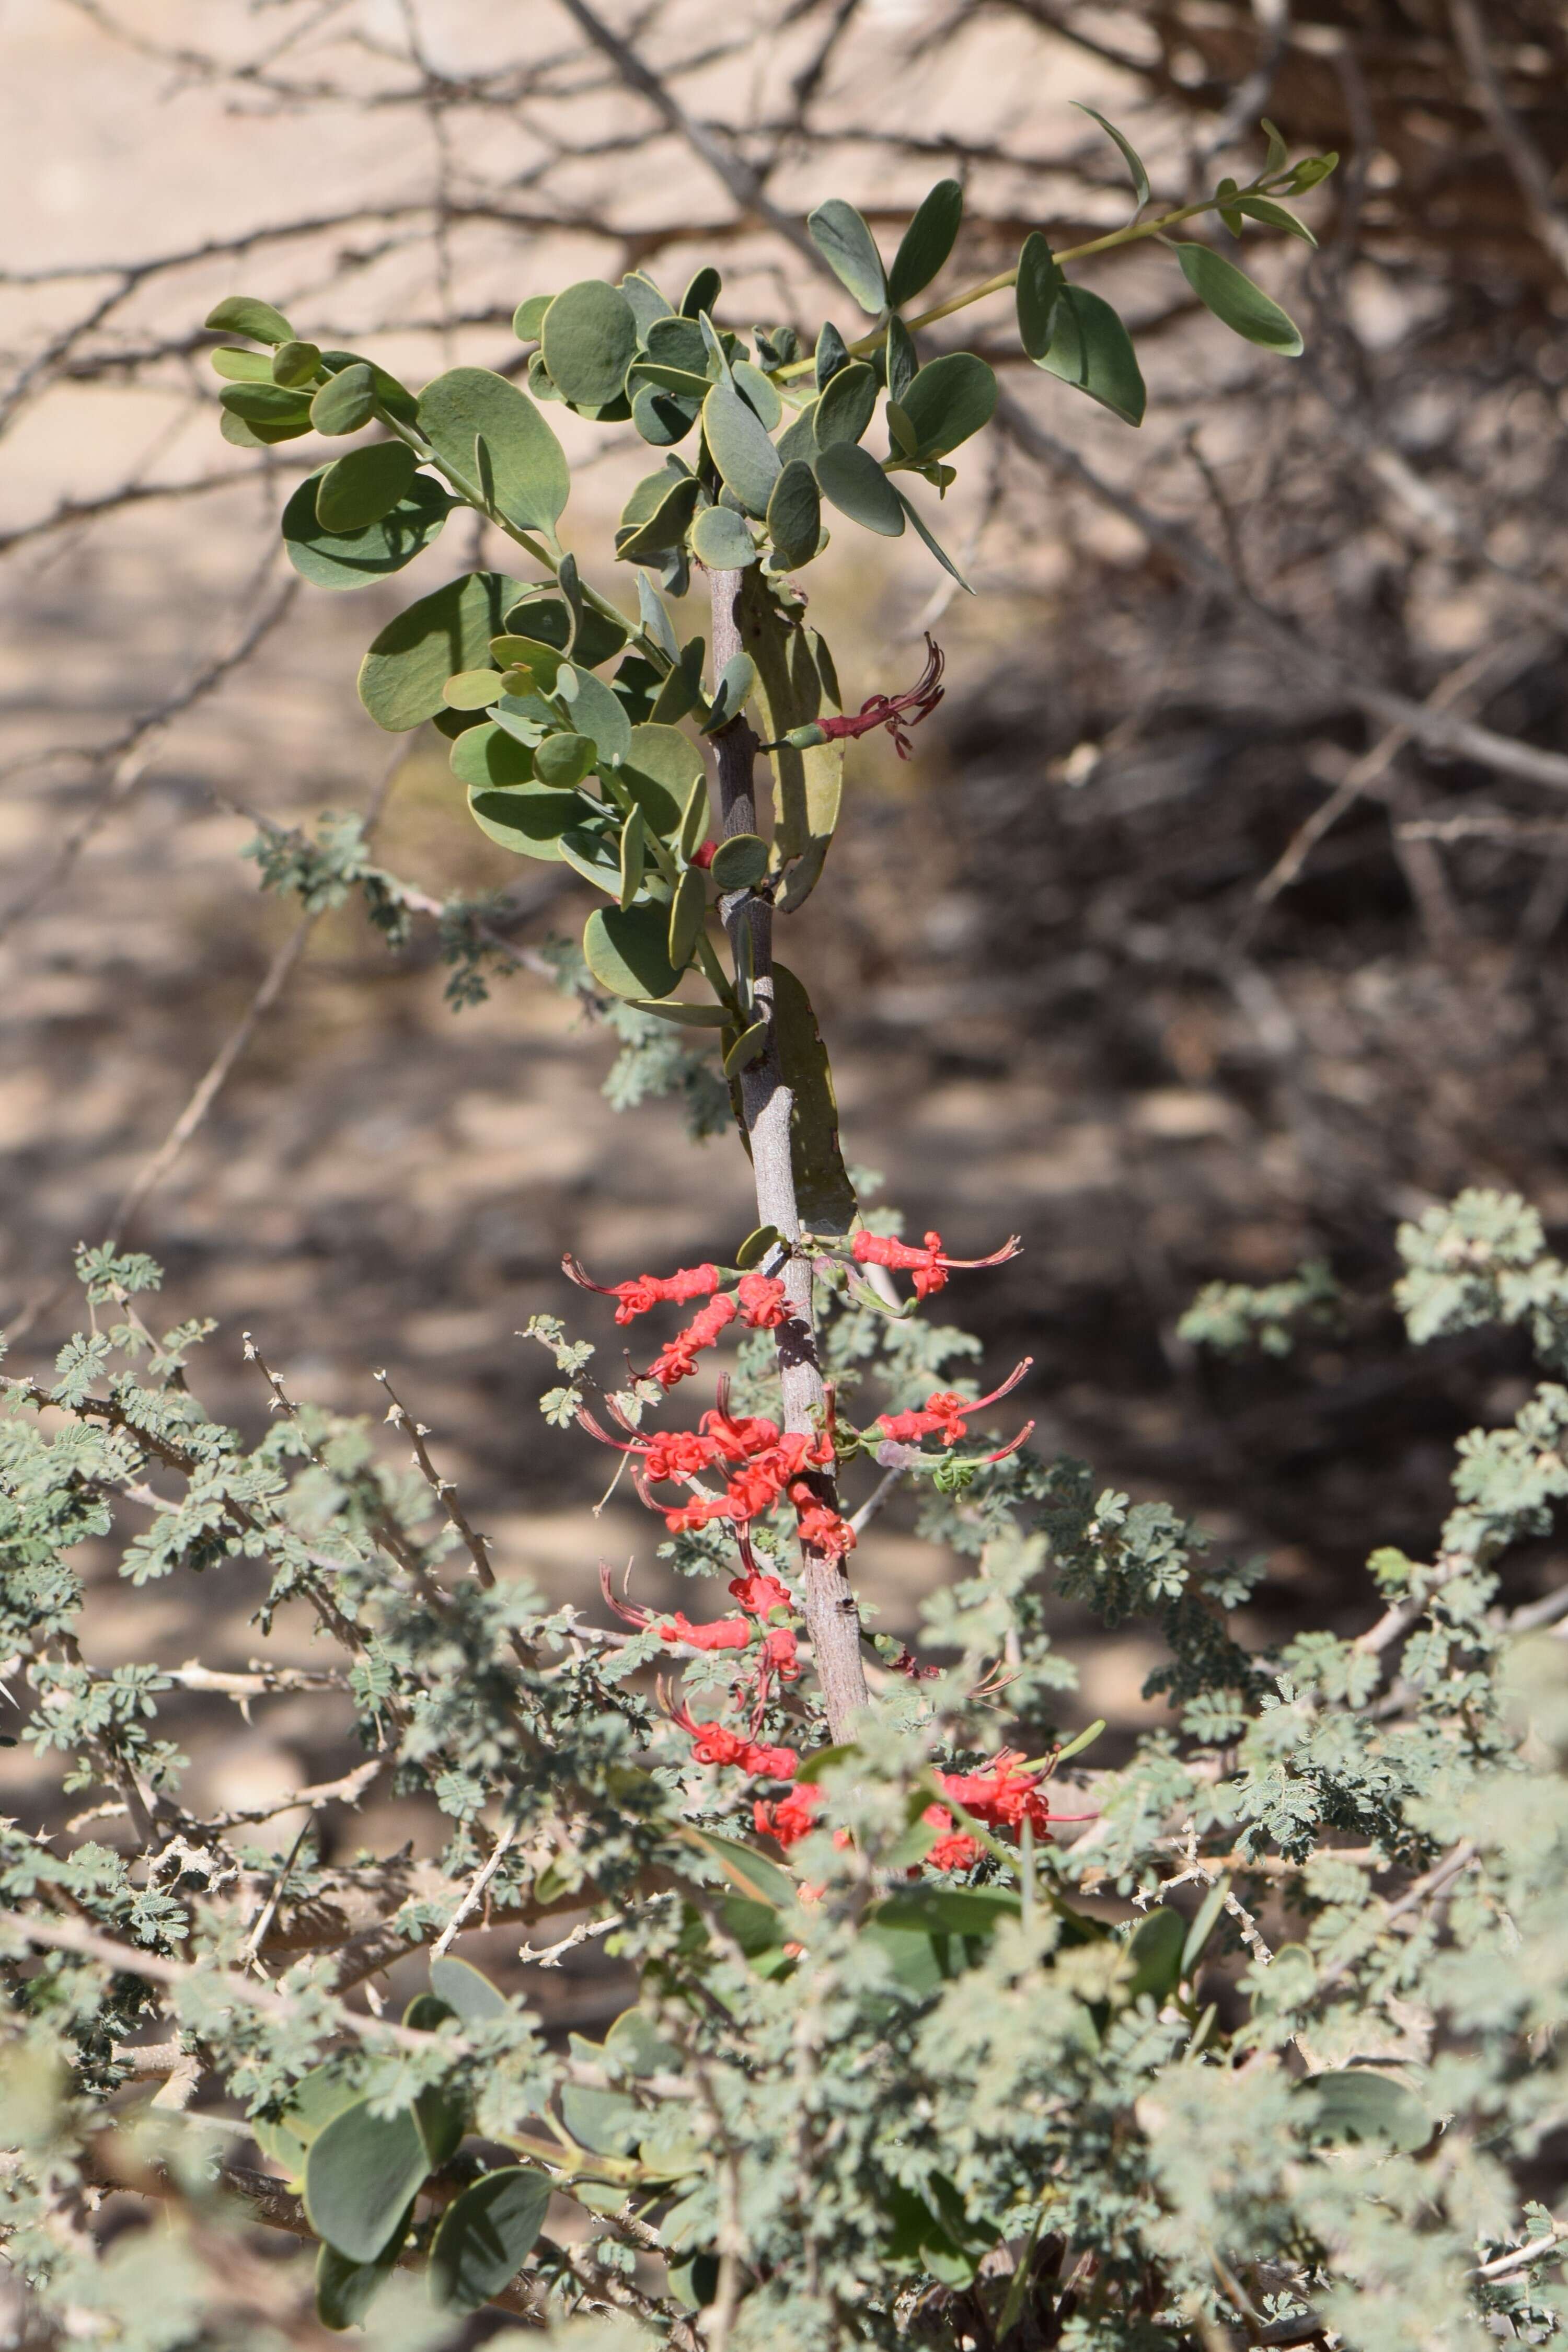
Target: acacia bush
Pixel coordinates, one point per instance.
(942, 2032)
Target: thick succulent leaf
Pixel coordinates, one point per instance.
(525, 818)
(794, 516)
(795, 684)
(627, 949)
(1038, 290)
(1092, 351)
(486, 2236)
(850, 249)
(824, 1195)
(366, 483)
(720, 540)
(360, 2174)
(528, 465)
(589, 338)
(741, 449)
(926, 242)
(242, 314)
(1237, 301)
(403, 676)
(338, 558)
(857, 485)
(947, 401)
(847, 406)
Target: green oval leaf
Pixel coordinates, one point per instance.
(746, 1048)
(751, 1251)
(472, 689)
(564, 760)
(758, 394)
(403, 677)
(733, 691)
(489, 757)
(661, 770)
(627, 949)
(739, 862)
(857, 485)
(1236, 302)
(525, 818)
(597, 712)
(486, 2236)
(1129, 154)
(847, 407)
(926, 242)
(466, 1990)
(850, 249)
(242, 314)
(365, 485)
(687, 910)
(720, 540)
(1038, 290)
(702, 292)
(1092, 351)
(241, 366)
(643, 540)
(347, 403)
(1273, 215)
(313, 2102)
(634, 856)
(296, 364)
(1356, 2103)
(545, 620)
(528, 465)
(824, 1195)
(794, 515)
(741, 449)
(345, 2290)
(334, 559)
(1155, 1954)
(266, 404)
(946, 402)
(663, 417)
(589, 337)
(360, 2174)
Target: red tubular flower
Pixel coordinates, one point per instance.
(781, 1653)
(929, 1264)
(735, 1439)
(770, 1763)
(791, 1817)
(762, 1302)
(953, 1849)
(677, 1454)
(689, 1517)
(757, 1593)
(636, 1297)
(721, 1634)
(677, 1360)
(896, 712)
(946, 1412)
(820, 1527)
(714, 1743)
(1007, 1796)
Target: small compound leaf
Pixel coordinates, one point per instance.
(947, 401)
(741, 449)
(1357, 2104)
(1091, 350)
(362, 2173)
(403, 677)
(528, 820)
(824, 1195)
(926, 242)
(589, 337)
(346, 403)
(1038, 290)
(739, 862)
(337, 558)
(720, 540)
(850, 249)
(1237, 301)
(345, 2290)
(486, 2236)
(627, 949)
(859, 488)
(1129, 154)
(365, 485)
(242, 314)
(528, 462)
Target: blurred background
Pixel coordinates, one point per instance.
(1218, 922)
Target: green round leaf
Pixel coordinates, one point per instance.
(545, 619)
(241, 435)
(702, 292)
(346, 404)
(486, 2236)
(944, 403)
(597, 709)
(627, 951)
(758, 394)
(794, 515)
(345, 2290)
(403, 677)
(648, 303)
(296, 363)
(525, 819)
(352, 559)
(661, 770)
(242, 314)
(488, 756)
(926, 242)
(362, 2172)
(368, 483)
(739, 862)
(563, 760)
(1038, 290)
(529, 317)
(528, 465)
(466, 1990)
(643, 537)
(859, 488)
(239, 366)
(589, 336)
(850, 249)
(314, 2100)
(266, 404)
(1234, 299)
(741, 449)
(1357, 2104)
(663, 417)
(472, 689)
(720, 540)
(751, 1251)
(1092, 351)
(847, 407)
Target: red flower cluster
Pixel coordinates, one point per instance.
(944, 1415)
(688, 1281)
(762, 1302)
(929, 1265)
(757, 1593)
(677, 1360)
(953, 1849)
(788, 1818)
(715, 1743)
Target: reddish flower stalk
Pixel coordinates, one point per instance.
(929, 1264)
(896, 712)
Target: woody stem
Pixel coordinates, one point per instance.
(832, 1616)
